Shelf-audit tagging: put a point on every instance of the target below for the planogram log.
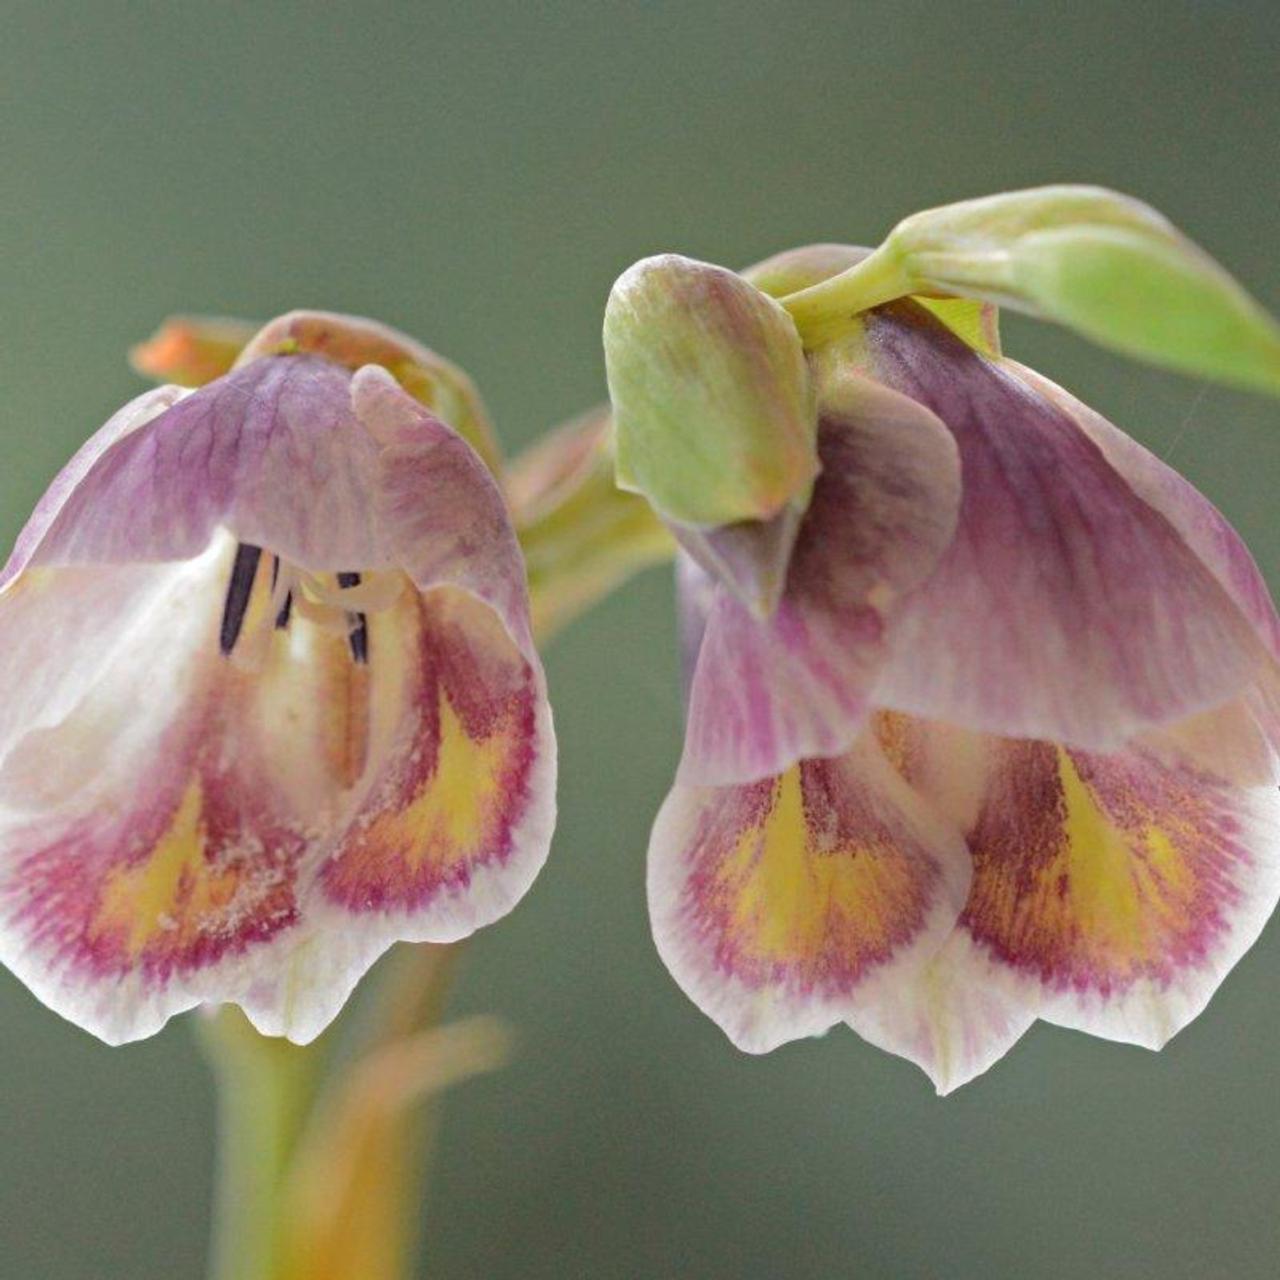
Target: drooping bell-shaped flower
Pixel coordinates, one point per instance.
(1006, 747)
(269, 699)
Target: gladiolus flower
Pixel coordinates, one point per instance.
(1006, 747)
(270, 701)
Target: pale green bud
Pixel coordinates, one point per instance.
(1101, 263)
(713, 411)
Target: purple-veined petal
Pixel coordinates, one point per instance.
(1066, 607)
(1202, 526)
(766, 693)
(787, 905)
(1122, 889)
(329, 470)
(440, 512)
(137, 413)
(273, 452)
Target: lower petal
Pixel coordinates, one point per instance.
(457, 809)
(1121, 888)
(956, 1018)
(784, 906)
(147, 860)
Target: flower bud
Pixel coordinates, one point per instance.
(713, 410)
(1098, 262)
(191, 350)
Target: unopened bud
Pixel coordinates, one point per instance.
(713, 410)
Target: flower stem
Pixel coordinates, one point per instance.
(822, 311)
(265, 1088)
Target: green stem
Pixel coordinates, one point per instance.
(822, 311)
(265, 1087)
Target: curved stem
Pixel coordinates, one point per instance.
(823, 310)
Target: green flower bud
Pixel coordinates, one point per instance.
(1098, 262)
(713, 411)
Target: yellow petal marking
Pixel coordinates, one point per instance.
(791, 885)
(141, 899)
(451, 818)
(1110, 896)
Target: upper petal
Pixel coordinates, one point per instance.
(329, 470)
(137, 413)
(271, 451)
(766, 693)
(439, 511)
(1201, 525)
(1066, 607)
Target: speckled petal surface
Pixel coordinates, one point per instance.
(1123, 889)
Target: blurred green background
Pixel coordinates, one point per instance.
(478, 174)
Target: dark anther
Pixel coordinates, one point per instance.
(358, 637)
(239, 589)
(286, 609)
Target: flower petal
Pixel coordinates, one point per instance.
(186, 829)
(1120, 888)
(1066, 608)
(137, 413)
(1202, 526)
(455, 815)
(330, 470)
(146, 862)
(272, 452)
(439, 511)
(767, 693)
(784, 906)
(956, 1017)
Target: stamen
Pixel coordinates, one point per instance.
(239, 590)
(358, 636)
